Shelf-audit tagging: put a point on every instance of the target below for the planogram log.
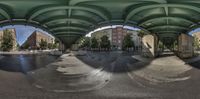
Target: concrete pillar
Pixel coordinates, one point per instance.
(185, 46)
(149, 46)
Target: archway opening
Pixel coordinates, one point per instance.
(25, 48)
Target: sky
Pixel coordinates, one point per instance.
(113, 26)
(194, 31)
(23, 32)
(132, 28)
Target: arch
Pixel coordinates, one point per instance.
(24, 22)
(164, 18)
(160, 32)
(85, 20)
(75, 2)
(69, 27)
(139, 9)
(69, 32)
(5, 14)
(168, 26)
(68, 24)
(36, 13)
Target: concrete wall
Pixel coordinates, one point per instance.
(149, 46)
(185, 46)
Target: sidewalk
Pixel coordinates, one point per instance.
(69, 74)
(162, 70)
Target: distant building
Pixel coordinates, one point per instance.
(99, 34)
(136, 39)
(116, 36)
(34, 40)
(197, 34)
(196, 41)
(13, 33)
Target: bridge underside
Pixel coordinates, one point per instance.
(68, 20)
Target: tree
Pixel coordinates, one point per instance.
(141, 33)
(50, 45)
(127, 42)
(83, 42)
(55, 45)
(56, 41)
(26, 46)
(196, 42)
(43, 44)
(7, 41)
(105, 43)
(161, 45)
(94, 43)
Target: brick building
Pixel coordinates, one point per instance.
(33, 41)
(118, 35)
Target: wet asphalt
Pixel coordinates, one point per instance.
(121, 85)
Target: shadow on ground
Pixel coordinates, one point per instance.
(193, 62)
(114, 62)
(25, 63)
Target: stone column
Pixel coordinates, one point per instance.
(149, 45)
(185, 46)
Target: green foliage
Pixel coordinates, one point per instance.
(83, 42)
(55, 45)
(26, 46)
(105, 43)
(141, 33)
(94, 43)
(196, 42)
(50, 46)
(56, 41)
(43, 44)
(127, 42)
(7, 41)
(160, 44)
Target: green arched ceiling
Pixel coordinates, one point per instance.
(70, 19)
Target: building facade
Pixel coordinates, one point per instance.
(136, 39)
(99, 34)
(34, 40)
(116, 36)
(196, 41)
(14, 37)
(197, 34)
